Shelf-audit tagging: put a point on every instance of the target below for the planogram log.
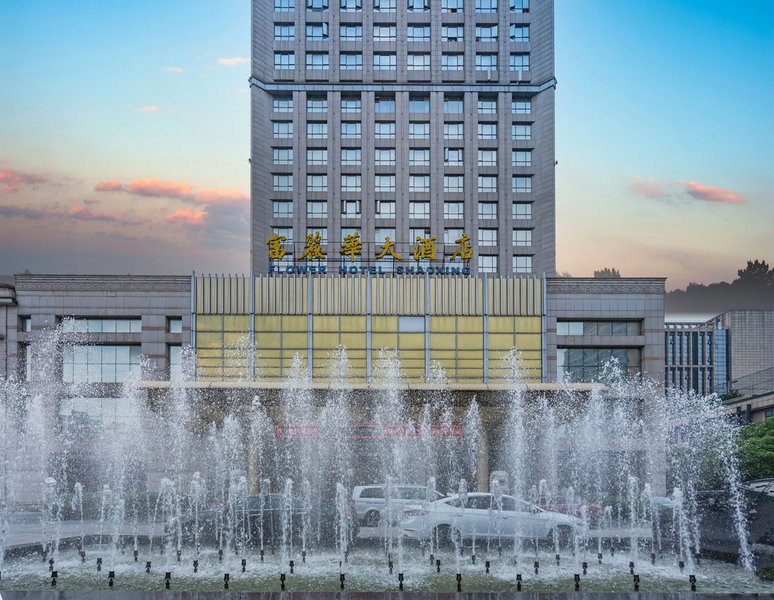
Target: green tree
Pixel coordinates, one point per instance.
(756, 276)
(607, 273)
(756, 449)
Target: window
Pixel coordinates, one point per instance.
(385, 209)
(419, 158)
(384, 61)
(521, 158)
(521, 184)
(317, 5)
(453, 157)
(384, 104)
(486, 33)
(25, 323)
(351, 32)
(382, 233)
(99, 364)
(487, 210)
(316, 130)
(282, 104)
(418, 5)
(418, 62)
(316, 60)
(487, 131)
(282, 156)
(384, 157)
(323, 231)
(519, 32)
(350, 209)
(487, 158)
(519, 62)
(284, 5)
(84, 325)
(522, 264)
(419, 210)
(453, 62)
(486, 62)
(351, 157)
(418, 33)
(284, 32)
(521, 106)
(521, 131)
(283, 129)
(487, 105)
(317, 156)
(451, 235)
(316, 32)
(452, 131)
(385, 5)
(284, 60)
(487, 237)
(350, 5)
(487, 263)
(286, 232)
(452, 6)
(419, 183)
(316, 183)
(317, 210)
(384, 130)
(282, 209)
(486, 6)
(350, 61)
(522, 237)
(452, 33)
(454, 184)
(384, 33)
(418, 232)
(598, 328)
(522, 211)
(519, 6)
(453, 210)
(453, 104)
(350, 104)
(317, 104)
(419, 104)
(419, 130)
(282, 183)
(350, 183)
(350, 130)
(487, 184)
(384, 183)
(175, 358)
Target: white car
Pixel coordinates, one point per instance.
(370, 501)
(484, 517)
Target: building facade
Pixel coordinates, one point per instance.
(403, 133)
(696, 357)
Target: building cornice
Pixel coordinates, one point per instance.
(118, 283)
(593, 285)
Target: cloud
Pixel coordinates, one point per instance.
(187, 216)
(149, 109)
(12, 180)
(108, 186)
(173, 69)
(708, 193)
(176, 190)
(224, 197)
(649, 188)
(23, 212)
(86, 214)
(233, 61)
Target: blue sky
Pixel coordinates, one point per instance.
(124, 136)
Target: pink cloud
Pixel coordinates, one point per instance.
(178, 190)
(649, 188)
(712, 194)
(12, 180)
(108, 186)
(84, 213)
(233, 61)
(187, 216)
(149, 109)
(225, 197)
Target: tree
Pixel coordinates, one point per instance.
(756, 449)
(756, 276)
(607, 273)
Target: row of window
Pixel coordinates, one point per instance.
(417, 157)
(455, 184)
(353, 32)
(385, 209)
(598, 327)
(419, 103)
(417, 130)
(387, 61)
(448, 6)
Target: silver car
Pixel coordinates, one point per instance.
(370, 501)
(482, 516)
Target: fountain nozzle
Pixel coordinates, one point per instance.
(486, 566)
(148, 566)
(576, 577)
(518, 582)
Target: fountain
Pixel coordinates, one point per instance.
(257, 494)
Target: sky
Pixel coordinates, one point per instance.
(124, 136)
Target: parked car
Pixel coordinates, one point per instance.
(563, 505)
(484, 517)
(370, 501)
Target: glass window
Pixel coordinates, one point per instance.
(384, 61)
(384, 33)
(519, 32)
(487, 237)
(317, 210)
(350, 209)
(385, 5)
(521, 184)
(453, 210)
(282, 156)
(452, 6)
(316, 60)
(283, 129)
(284, 60)
(519, 6)
(25, 323)
(453, 157)
(487, 184)
(345, 231)
(418, 5)
(519, 61)
(486, 62)
(453, 104)
(522, 211)
(323, 231)
(284, 5)
(419, 157)
(282, 183)
(350, 183)
(384, 130)
(282, 209)
(487, 131)
(317, 156)
(350, 130)
(453, 61)
(316, 130)
(487, 263)
(350, 104)
(521, 106)
(350, 5)
(419, 183)
(487, 105)
(316, 32)
(453, 131)
(286, 232)
(350, 61)
(382, 233)
(85, 325)
(487, 210)
(316, 183)
(419, 130)
(487, 158)
(521, 158)
(418, 33)
(452, 234)
(99, 364)
(521, 131)
(351, 32)
(569, 328)
(351, 157)
(419, 104)
(454, 183)
(418, 62)
(384, 183)
(282, 103)
(522, 264)
(175, 357)
(317, 104)
(384, 157)
(384, 104)
(419, 210)
(486, 33)
(385, 209)
(284, 32)
(452, 33)
(317, 5)
(522, 237)
(418, 232)
(486, 6)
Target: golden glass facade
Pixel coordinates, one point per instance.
(464, 324)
